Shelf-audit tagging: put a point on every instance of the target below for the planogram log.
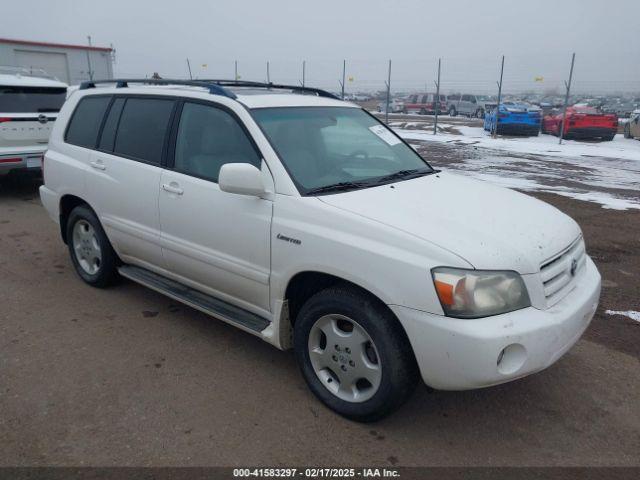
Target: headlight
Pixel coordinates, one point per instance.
(479, 293)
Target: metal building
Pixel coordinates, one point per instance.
(71, 64)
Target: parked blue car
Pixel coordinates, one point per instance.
(514, 119)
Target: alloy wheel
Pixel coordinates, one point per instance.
(86, 247)
(344, 358)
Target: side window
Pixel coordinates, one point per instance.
(110, 125)
(209, 137)
(86, 120)
(413, 99)
(142, 128)
(466, 98)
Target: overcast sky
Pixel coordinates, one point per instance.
(537, 38)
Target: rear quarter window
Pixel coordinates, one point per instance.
(86, 120)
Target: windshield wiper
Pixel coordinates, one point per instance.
(405, 174)
(336, 187)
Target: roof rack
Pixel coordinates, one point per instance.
(215, 86)
(124, 83)
(271, 86)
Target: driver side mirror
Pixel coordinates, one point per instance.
(241, 179)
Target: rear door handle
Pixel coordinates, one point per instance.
(172, 188)
(98, 165)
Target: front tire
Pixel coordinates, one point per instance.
(353, 354)
(627, 131)
(91, 252)
(453, 112)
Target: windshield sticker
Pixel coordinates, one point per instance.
(388, 137)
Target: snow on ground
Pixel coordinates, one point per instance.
(633, 315)
(619, 147)
(607, 173)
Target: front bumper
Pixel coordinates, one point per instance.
(24, 160)
(457, 354)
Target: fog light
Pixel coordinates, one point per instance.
(511, 359)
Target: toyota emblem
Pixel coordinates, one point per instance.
(42, 118)
(574, 267)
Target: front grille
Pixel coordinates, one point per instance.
(556, 273)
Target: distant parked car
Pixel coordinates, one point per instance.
(582, 122)
(469, 105)
(29, 106)
(395, 106)
(424, 103)
(632, 127)
(514, 118)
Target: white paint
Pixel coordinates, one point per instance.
(385, 239)
(632, 314)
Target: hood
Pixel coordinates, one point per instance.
(491, 227)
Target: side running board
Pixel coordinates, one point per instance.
(198, 300)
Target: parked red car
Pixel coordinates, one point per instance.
(425, 104)
(582, 123)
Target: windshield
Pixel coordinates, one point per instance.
(337, 148)
(31, 99)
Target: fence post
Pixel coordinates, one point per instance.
(268, 76)
(236, 70)
(89, 59)
(304, 69)
(344, 72)
(566, 100)
(388, 82)
(437, 100)
(189, 67)
(495, 126)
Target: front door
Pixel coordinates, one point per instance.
(215, 241)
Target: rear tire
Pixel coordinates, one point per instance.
(627, 131)
(453, 112)
(364, 369)
(91, 252)
(609, 138)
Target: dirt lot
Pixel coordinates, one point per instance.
(125, 376)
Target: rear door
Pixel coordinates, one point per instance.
(27, 115)
(217, 242)
(124, 175)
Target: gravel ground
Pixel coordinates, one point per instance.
(125, 376)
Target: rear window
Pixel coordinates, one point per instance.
(86, 120)
(142, 128)
(31, 99)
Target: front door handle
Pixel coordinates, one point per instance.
(98, 165)
(172, 188)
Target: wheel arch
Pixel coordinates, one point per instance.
(67, 203)
(303, 285)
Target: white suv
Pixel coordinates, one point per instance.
(303, 220)
(28, 107)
